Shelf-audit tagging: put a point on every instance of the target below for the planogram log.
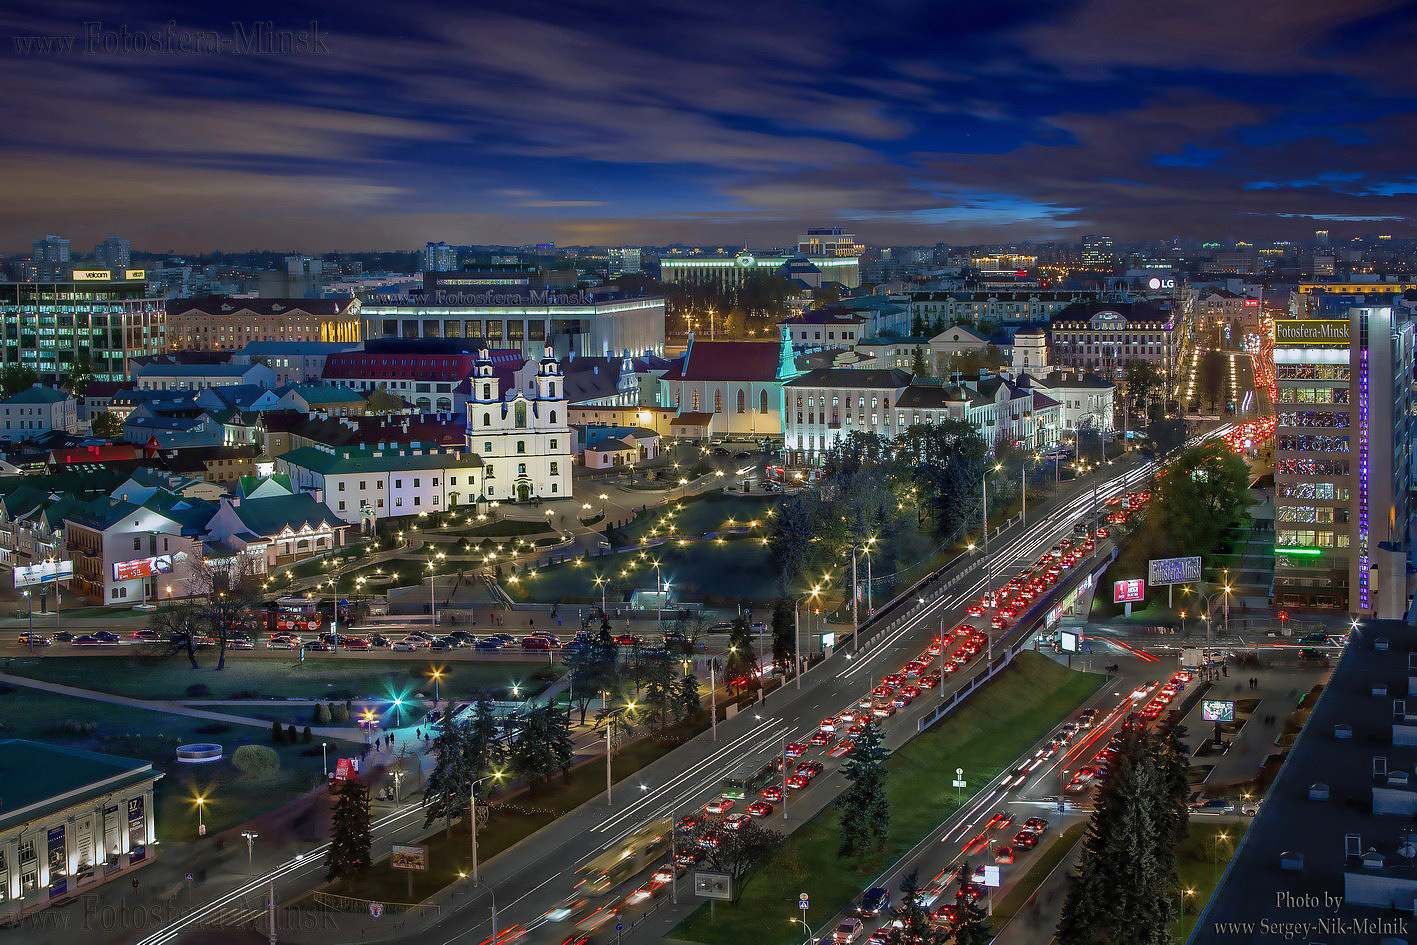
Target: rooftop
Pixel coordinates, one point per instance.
(222, 305)
(37, 394)
(377, 461)
(40, 778)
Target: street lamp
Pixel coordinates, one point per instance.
(201, 802)
(250, 837)
(437, 674)
(1215, 858)
(988, 566)
(797, 621)
(472, 815)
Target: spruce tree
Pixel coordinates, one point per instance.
(784, 633)
(690, 702)
(865, 812)
(562, 745)
(349, 831)
(447, 792)
(660, 691)
(970, 926)
(482, 747)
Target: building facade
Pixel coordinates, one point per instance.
(388, 482)
(524, 438)
(56, 328)
(738, 383)
(728, 271)
(36, 411)
(217, 323)
(583, 322)
(1104, 337)
(1343, 458)
(87, 820)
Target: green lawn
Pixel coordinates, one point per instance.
(696, 516)
(1203, 858)
(154, 736)
(984, 736)
(316, 678)
(519, 817)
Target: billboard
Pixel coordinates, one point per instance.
(46, 572)
(1216, 710)
(1311, 332)
(142, 567)
(93, 275)
(1163, 571)
(1126, 592)
(1068, 641)
(409, 856)
(713, 885)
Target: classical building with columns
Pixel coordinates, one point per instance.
(71, 820)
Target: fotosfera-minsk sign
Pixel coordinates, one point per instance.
(1307, 332)
(1163, 571)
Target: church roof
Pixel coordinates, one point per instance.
(728, 361)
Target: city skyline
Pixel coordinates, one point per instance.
(704, 126)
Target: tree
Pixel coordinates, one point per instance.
(916, 927)
(542, 746)
(784, 633)
(742, 659)
(1210, 376)
(257, 762)
(228, 601)
(481, 745)
(1142, 383)
(865, 811)
(829, 294)
(381, 401)
(1167, 434)
(661, 689)
(739, 851)
(106, 426)
(920, 363)
(81, 375)
(179, 625)
(591, 668)
(447, 791)
(350, 834)
(970, 926)
(15, 378)
(690, 702)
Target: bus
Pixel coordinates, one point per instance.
(299, 614)
(750, 778)
(627, 858)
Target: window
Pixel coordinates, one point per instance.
(398, 502)
(521, 446)
(742, 402)
(398, 483)
(417, 500)
(551, 389)
(486, 395)
(520, 415)
(763, 402)
(341, 485)
(417, 483)
(341, 506)
(521, 469)
(555, 487)
(554, 470)
(486, 447)
(718, 401)
(486, 419)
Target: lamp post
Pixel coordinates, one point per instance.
(797, 621)
(988, 565)
(437, 675)
(201, 803)
(609, 748)
(432, 586)
(1215, 858)
(250, 837)
(472, 817)
(325, 759)
(600, 583)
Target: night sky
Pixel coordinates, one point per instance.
(706, 122)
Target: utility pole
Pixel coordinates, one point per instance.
(713, 700)
(855, 606)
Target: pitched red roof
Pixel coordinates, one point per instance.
(727, 361)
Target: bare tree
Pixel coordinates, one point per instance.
(179, 626)
(229, 599)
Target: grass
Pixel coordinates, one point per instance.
(1034, 876)
(143, 677)
(1202, 860)
(737, 570)
(518, 817)
(984, 736)
(154, 736)
(697, 515)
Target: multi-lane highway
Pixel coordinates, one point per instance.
(544, 871)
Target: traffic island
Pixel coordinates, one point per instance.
(984, 737)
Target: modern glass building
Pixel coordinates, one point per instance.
(1343, 459)
(100, 320)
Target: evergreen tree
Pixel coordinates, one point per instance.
(784, 633)
(865, 812)
(690, 702)
(742, 658)
(562, 745)
(349, 831)
(277, 733)
(661, 691)
(970, 926)
(916, 927)
(481, 746)
(542, 746)
(447, 792)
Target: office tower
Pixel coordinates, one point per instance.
(51, 258)
(828, 241)
(56, 326)
(113, 253)
(1321, 237)
(439, 257)
(1097, 251)
(623, 260)
(1343, 459)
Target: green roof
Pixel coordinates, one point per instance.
(376, 461)
(37, 394)
(265, 517)
(36, 774)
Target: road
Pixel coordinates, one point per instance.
(543, 869)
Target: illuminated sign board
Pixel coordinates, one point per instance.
(135, 273)
(1155, 283)
(142, 567)
(46, 572)
(1163, 571)
(1068, 641)
(1214, 710)
(1310, 332)
(1126, 592)
(92, 275)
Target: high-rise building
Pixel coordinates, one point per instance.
(623, 260)
(51, 258)
(439, 257)
(1097, 252)
(828, 241)
(1343, 458)
(113, 253)
(1321, 237)
(302, 278)
(100, 323)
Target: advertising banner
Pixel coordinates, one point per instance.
(1126, 592)
(1214, 710)
(46, 572)
(137, 830)
(142, 568)
(58, 859)
(1311, 332)
(409, 856)
(1163, 571)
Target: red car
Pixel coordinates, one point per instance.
(794, 750)
(822, 738)
(771, 793)
(760, 809)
